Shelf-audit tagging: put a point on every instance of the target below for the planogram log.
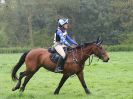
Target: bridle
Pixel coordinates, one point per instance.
(98, 42)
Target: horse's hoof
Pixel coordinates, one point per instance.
(88, 93)
(14, 88)
(21, 89)
(56, 93)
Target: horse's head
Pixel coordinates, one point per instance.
(99, 51)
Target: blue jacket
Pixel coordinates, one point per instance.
(64, 39)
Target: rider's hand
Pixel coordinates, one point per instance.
(73, 46)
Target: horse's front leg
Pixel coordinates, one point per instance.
(81, 78)
(62, 81)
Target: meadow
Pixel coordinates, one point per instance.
(112, 80)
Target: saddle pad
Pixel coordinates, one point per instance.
(54, 57)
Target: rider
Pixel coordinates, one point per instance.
(61, 40)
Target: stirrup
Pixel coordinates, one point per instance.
(58, 70)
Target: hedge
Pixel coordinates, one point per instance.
(108, 48)
(117, 48)
(13, 50)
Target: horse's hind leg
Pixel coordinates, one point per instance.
(27, 78)
(21, 75)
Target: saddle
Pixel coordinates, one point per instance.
(54, 57)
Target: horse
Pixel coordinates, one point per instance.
(39, 57)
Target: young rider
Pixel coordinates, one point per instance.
(61, 40)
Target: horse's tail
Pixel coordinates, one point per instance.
(18, 65)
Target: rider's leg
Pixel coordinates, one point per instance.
(61, 60)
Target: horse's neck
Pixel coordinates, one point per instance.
(87, 52)
(84, 53)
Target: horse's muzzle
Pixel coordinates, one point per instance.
(106, 60)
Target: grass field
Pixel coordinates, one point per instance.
(112, 80)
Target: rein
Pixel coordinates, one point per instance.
(90, 60)
(82, 52)
(74, 57)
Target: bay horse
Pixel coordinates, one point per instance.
(39, 57)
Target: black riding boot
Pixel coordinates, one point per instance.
(60, 65)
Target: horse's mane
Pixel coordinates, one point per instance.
(84, 45)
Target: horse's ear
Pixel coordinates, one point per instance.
(98, 39)
(100, 42)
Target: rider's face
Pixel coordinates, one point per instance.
(65, 26)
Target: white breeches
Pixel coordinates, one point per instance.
(60, 50)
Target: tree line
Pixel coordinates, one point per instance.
(32, 23)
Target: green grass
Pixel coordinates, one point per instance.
(112, 80)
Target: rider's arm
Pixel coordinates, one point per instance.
(70, 40)
(62, 39)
